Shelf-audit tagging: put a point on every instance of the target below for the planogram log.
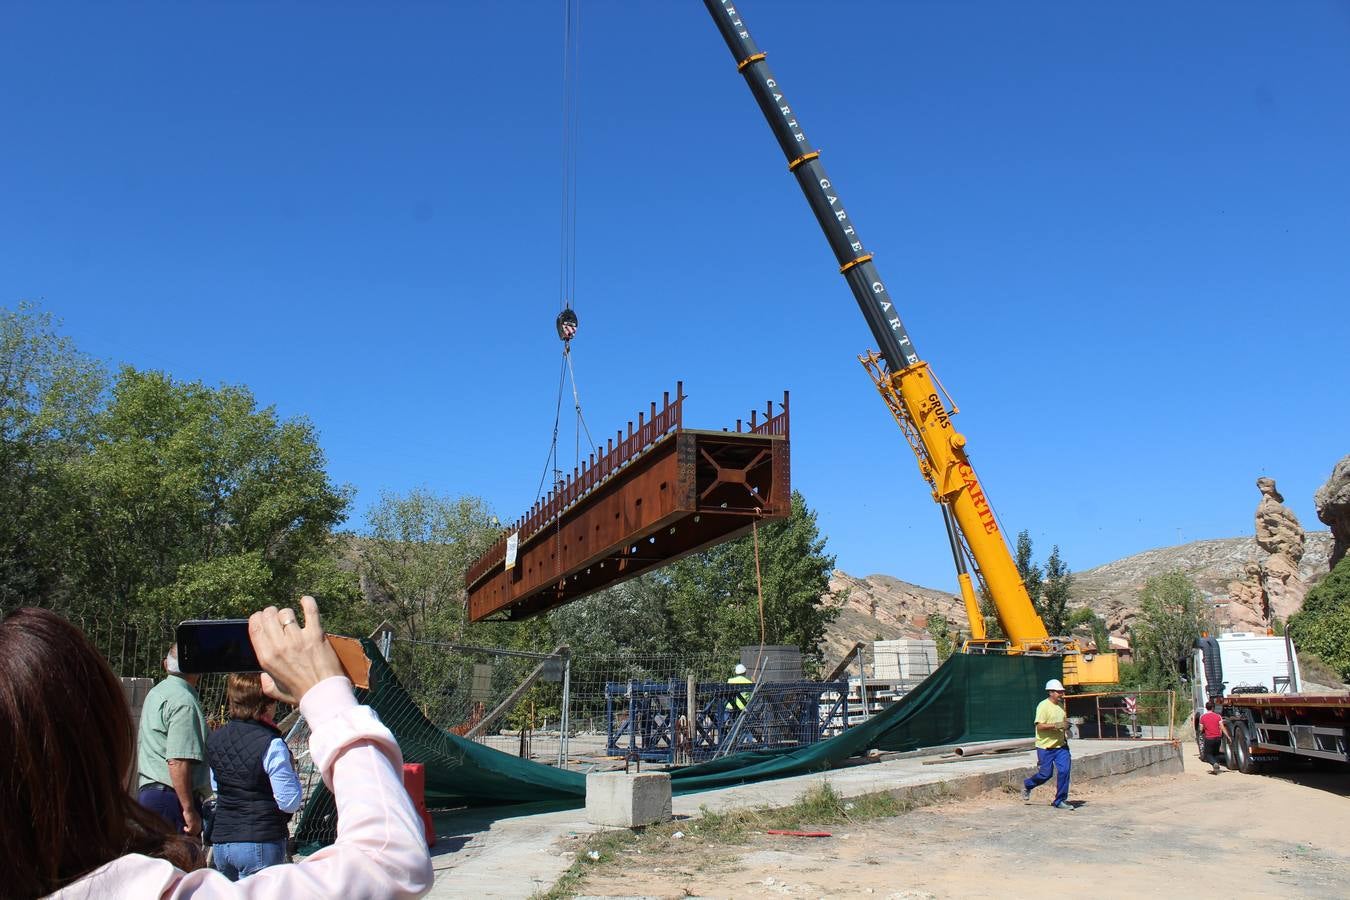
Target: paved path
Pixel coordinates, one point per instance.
(486, 857)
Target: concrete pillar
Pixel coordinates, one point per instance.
(135, 689)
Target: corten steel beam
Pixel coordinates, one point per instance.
(648, 499)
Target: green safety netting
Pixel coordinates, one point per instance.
(969, 698)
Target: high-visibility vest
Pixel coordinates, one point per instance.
(738, 702)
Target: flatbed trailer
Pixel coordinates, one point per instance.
(1265, 728)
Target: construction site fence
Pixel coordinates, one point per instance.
(556, 707)
(136, 649)
(1125, 715)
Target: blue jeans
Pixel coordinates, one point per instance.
(165, 803)
(1058, 760)
(240, 859)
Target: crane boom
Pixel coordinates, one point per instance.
(911, 391)
(855, 263)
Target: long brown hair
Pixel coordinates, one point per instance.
(66, 745)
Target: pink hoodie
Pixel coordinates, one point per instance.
(381, 850)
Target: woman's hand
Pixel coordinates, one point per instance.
(294, 657)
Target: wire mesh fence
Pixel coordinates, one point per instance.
(586, 711)
(1134, 715)
(591, 712)
(511, 700)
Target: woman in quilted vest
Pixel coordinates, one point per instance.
(254, 777)
(68, 823)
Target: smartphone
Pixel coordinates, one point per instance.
(219, 645)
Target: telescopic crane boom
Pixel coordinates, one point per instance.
(911, 391)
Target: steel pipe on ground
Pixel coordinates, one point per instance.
(994, 747)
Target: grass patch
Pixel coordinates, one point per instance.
(821, 805)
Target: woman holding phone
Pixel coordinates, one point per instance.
(72, 830)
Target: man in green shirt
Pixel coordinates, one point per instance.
(171, 750)
(1052, 746)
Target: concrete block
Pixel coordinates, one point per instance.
(904, 659)
(623, 800)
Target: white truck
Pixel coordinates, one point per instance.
(1254, 681)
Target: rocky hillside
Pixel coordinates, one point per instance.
(880, 606)
(1112, 590)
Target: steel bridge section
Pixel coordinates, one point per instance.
(646, 500)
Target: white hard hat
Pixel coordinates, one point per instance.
(1054, 685)
(740, 668)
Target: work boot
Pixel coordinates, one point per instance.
(1026, 794)
(1066, 806)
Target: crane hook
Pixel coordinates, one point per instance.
(567, 325)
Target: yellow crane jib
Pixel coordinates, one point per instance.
(913, 395)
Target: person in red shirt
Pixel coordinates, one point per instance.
(1213, 729)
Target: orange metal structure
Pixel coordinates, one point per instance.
(651, 497)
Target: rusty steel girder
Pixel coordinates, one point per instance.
(648, 499)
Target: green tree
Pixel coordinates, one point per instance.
(49, 393)
(941, 631)
(714, 602)
(1032, 576)
(1322, 626)
(201, 504)
(414, 556)
(993, 628)
(1172, 615)
(630, 619)
(1084, 615)
(1055, 594)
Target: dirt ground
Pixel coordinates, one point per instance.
(1191, 834)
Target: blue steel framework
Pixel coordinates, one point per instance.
(642, 717)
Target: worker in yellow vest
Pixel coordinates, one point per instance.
(738, 702)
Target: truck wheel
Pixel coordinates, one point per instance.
(1244, 762)
(1230, 752)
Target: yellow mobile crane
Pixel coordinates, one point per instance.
(914, 396)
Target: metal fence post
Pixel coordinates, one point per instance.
(691, 710)
(565, 722)
(862, 689)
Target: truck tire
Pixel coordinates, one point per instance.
(1229, 750)
(1243, 761)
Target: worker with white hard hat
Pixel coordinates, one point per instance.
(738, 702)
(1052, 746)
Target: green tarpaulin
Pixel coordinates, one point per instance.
(969, 698)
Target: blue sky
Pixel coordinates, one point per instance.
(1118, 232)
